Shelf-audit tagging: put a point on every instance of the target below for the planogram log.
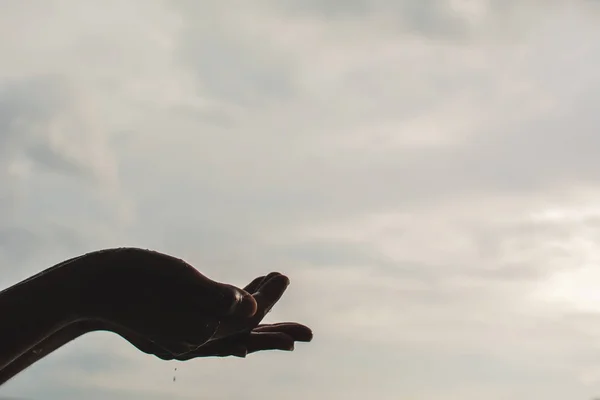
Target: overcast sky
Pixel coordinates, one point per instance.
(427, 172)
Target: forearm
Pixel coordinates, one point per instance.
(34, 309)
(71, 332)
(47, 346)
(48, 310)
(40, 306)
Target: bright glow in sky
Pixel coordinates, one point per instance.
(577, 288)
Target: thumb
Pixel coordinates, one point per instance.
(223, 300)
(243, 304)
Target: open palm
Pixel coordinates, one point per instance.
(238, 336)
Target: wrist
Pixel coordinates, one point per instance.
(81, 286)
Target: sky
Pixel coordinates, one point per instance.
(426, 172)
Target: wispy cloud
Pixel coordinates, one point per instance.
(425, 171)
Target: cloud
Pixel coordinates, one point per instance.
(57, 167)
(425, 172)
(35, 126)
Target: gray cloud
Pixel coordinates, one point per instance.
(31, 121)
(51, 164)
(228, 72)
(397, 159)
(444, 20)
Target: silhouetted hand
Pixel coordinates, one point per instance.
(236, 336)
(160, 298)
(242, 336)
(160, 304)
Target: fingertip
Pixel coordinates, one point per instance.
(305, 334)
(276, 277)
(283, 279)
(300, 333)
(270, 341)
(275, 286)
(308, 338)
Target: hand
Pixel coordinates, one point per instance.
(242, 336)
(237, 336)
(251, 339)
(160, 304)
(158, 297)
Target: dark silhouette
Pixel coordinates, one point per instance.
(158, 303)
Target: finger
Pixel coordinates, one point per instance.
(241, 345)
(218, 348)
(254, 342)
(268, 278)
(254, 285)
(300, 333)
(269, 341)
(257, 283)
(270, 292)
